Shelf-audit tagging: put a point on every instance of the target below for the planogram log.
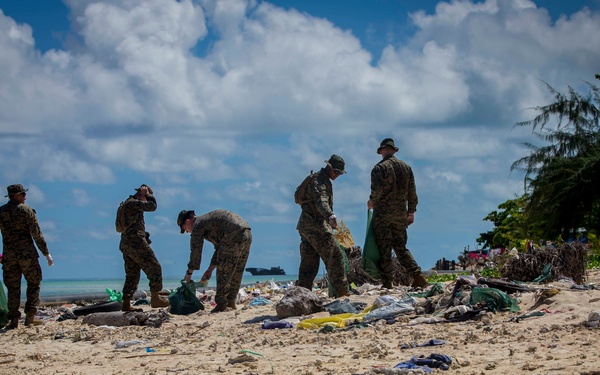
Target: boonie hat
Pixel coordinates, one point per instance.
(183, 216)
(388, 142)
(337, 163)
(15, 189)
(149, 189)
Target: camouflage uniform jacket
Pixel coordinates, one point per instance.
(320, 206)
(393, 189)
(134, 216)
(20, 228)
(219, 227)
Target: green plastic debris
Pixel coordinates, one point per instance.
(113, 295)
(546, 274)
(495, 299)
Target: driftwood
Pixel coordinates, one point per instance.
(567, 260)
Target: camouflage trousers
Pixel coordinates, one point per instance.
(139, 256)
(31, 270)
(390, 233)
(231, 262)
(316, 244)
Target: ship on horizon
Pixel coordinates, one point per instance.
(265, 271)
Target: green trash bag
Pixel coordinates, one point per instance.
(331, 291)
(3, 307)
(183, 300)
(495, 299)
(370, 255)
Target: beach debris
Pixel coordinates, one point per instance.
(240, 359)
(298, 301)
(593, 319)
(344, 306)
(66, 314)
(259, 301)
(542, 297)
(121, 319)
(389, 312)
(430, 342)
(106, 306)
(267, 324)
(127, 344)
(568, 260)
(493, 299)
(183, 300)
(113, 295)
(505, 286)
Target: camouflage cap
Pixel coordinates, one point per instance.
(183, 216)
(388, 142)
(15, 189)
(337, 163)
(149, 189)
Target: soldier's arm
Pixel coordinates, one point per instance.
(321, 199)
(378, 184)
(36, 232)
(196, 245)
(412, 197)
(148, 206)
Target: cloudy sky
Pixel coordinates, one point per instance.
(229, 104)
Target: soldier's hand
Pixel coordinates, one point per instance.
(333, 221)
(370, 204)
(188, 276)
(50, 260)
(410, 218)
(207, 275)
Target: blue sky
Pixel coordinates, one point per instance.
(230, 104)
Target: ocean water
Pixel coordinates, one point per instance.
(70, 287)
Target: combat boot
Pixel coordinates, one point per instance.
(127, 306)
(231, 304)
(30, 320)
(218, 308)
(14, 323)
(419, 281)
(157, 301)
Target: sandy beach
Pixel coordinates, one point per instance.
(233, 342)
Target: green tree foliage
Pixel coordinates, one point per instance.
(562, 177)
(510, 225)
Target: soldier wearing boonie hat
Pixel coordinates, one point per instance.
(394, 202)
(137, 253)
(315, 228)
(20, 229)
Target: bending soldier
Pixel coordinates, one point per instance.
(231, 236)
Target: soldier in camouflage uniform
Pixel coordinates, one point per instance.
(231, 236)
(394, 202)
(315, 225)
(137, 253)
(20, 228)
